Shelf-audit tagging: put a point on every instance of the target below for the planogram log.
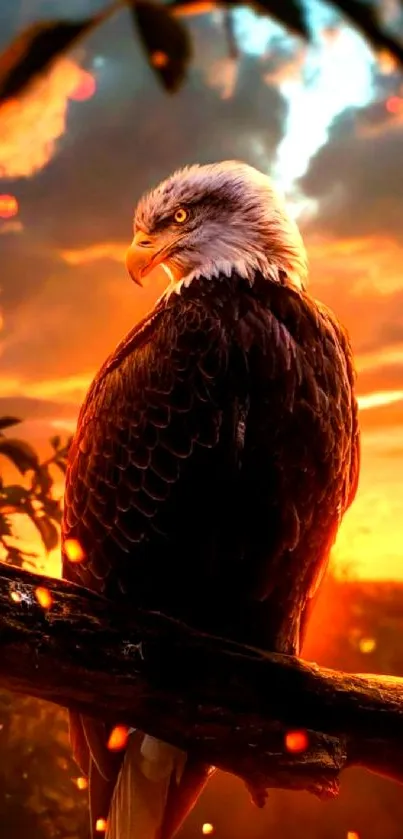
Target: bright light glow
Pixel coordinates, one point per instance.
(207, 829)
(73, 550)
(340, 78)
(43, 597)
(31, 124)
(377, 400)
(337, 74)
(296, 741)
(159, 59)
(81, 783)
(101, 825)
(394, 104)
(367, 645)
(8, 206)
(85, 88)
(118, 738)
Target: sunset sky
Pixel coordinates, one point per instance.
(326, 121)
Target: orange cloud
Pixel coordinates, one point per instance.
(31, 125)
(103, 250)
(11, 227)
(374, 262)
(67, 389)
(287, 69)
(222, 75)
(379, 399)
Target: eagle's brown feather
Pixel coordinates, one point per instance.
(215, 455)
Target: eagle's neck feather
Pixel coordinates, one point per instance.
(247, 268)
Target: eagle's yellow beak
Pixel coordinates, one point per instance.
(143, 255)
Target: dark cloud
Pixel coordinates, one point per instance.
(357, 177)
(123, 140)
(132, 133)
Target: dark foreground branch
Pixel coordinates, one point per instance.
(232, 705)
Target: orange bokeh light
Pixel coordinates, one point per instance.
(101, 825)
(73, 550)
(352, 834)
(81, 783)
(85, 88)
(8, 206)
(296, 741)
(159, 59)
(43, 597)
(207, 829)
(394, 104)
(16, 596)
(367, 645)
(118, 738)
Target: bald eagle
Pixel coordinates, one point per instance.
(214, 457)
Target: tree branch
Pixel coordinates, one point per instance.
(230, 704)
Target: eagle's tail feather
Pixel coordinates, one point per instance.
(100, 794)
(154, 792)
(183, 797)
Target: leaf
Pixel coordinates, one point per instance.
(15, 496)
(5, 526)
(33, 51)
(15, 556)
(166, 42)
(47, 530)
(365, 17)
(21, 454)
(55, 442)
(6, 422)
(42, 481)
(52, 508)
(61, 464)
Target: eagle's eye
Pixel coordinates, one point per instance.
(181, 215)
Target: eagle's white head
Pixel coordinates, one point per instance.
(211, 220)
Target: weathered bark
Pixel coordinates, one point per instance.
(233, 705)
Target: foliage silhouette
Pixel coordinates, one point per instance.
(39, 796)
(33, 498)
(165, 38)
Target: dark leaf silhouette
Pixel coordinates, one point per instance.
(5, 526)
(52, 508)
(42, 482)
(32, 52)
(232, 41)
(62, 465)
(34, 500)
(14, 497)
(166, 41)
(7, 422)
(15, 556)
(21, 454)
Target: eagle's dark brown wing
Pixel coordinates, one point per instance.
(214, 457)
(151, 420)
